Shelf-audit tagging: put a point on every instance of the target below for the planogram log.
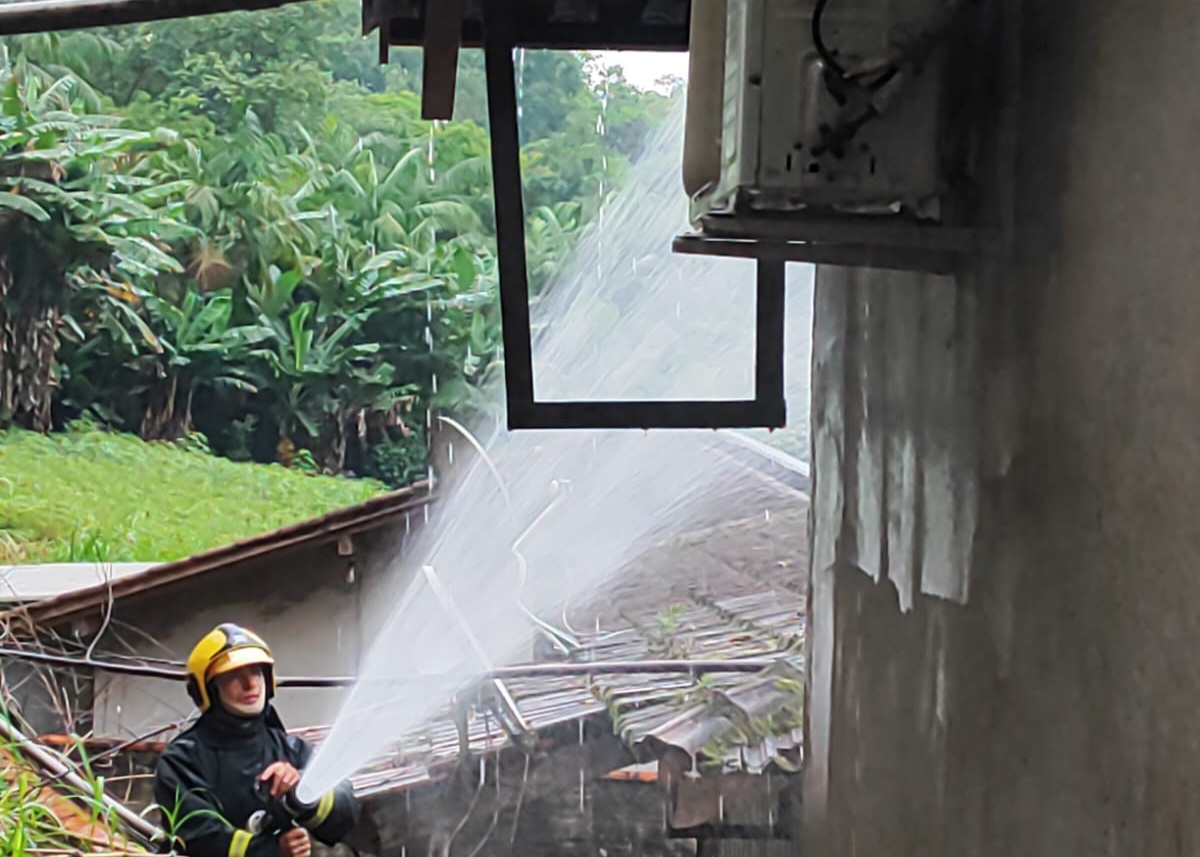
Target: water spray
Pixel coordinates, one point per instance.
(483, 455)
(565, 643)
(510, 714)
(606, 330)
(562, 641)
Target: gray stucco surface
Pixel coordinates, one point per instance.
(1054, 710)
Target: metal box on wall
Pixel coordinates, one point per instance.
(798, 134)
(868, 133)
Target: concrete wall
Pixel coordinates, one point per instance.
(1052, 709)
(318, 618)
(52, 700)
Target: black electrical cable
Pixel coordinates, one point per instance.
(835, 139)
(823, 51)
(542, 670)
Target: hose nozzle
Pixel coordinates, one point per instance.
(295, 807)
(287, 810)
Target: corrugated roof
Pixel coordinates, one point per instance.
(748, 722)
(23, 583)
(350, 519)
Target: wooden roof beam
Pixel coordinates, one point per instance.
(45, 16)
(443, 30)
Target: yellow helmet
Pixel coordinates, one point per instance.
(224, 649)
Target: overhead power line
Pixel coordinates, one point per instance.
(545, 670)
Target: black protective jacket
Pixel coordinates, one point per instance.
(205, 787)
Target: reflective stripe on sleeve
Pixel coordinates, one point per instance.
(239, 843)
(324, 807)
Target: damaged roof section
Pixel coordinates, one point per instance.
(700, 608)
(749, 725)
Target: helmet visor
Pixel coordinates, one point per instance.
(235, 659)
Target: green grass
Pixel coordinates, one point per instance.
(28, 825)
(89, 495)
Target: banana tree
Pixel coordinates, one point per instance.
(401, 238)
(196, 346)
(71, 208)
(319, 379)
(243, 205)
(550, 236)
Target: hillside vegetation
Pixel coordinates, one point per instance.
(239, 225)
(88, 494)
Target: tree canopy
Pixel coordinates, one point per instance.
(239, 227)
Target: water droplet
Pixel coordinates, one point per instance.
(519, 60)
(431, 152)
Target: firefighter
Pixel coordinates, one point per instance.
(225, 786)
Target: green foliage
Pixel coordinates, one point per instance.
(239, 226)
(27, 824)
(78, 214)
(663, 638)
(95, 507)
(30, 824)
(399, 463)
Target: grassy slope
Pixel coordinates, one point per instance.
(88, 495)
